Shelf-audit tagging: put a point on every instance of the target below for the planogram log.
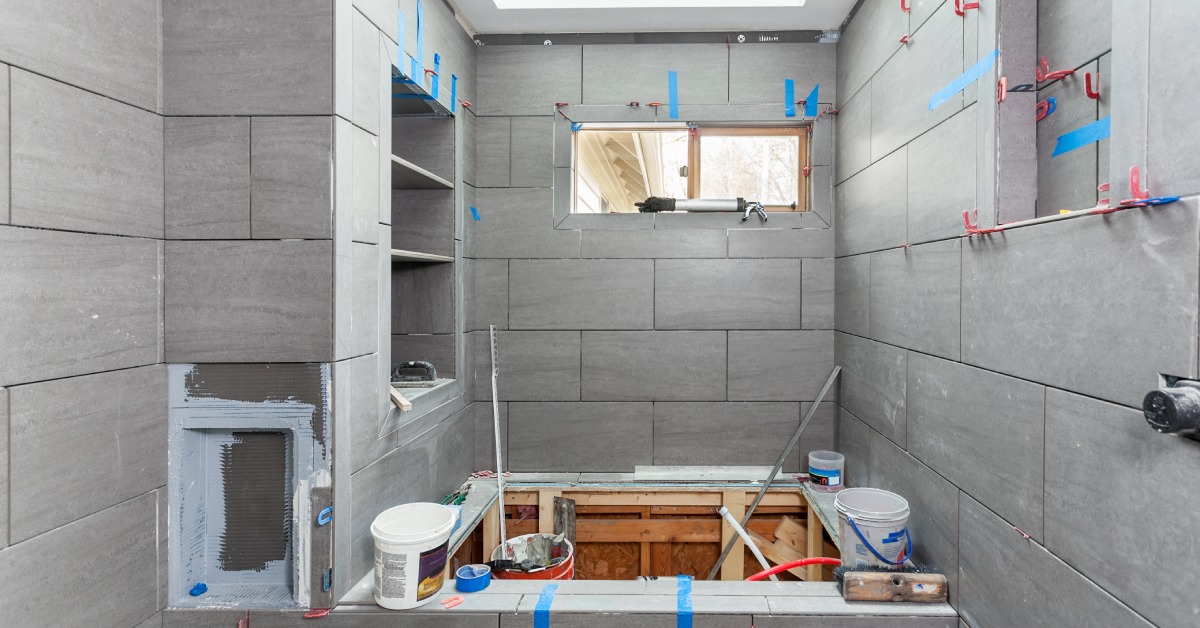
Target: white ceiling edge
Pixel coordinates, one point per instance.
(482, 17)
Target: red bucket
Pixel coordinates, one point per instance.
(564, 570)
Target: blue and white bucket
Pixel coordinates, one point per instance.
(874, 528)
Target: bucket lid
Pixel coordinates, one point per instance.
(413, 523)
(872, 504)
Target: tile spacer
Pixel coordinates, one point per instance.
(465, 103)
(1002, 89)
(1135, 187)
(973, 229)
(1046, 107)
(1022, 533)
(904, 6)
(1043, 72)
(905, 39)
(1094, 94)
(316, 613)
(807, 170)
(431, 71)
(634, 103)
(960, 7)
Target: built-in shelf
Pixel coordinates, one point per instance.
(409, 176)
(413, 256)
(411, 99)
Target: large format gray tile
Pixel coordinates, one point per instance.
(423, 299)
(699, 433)
(915, 297)
(534, 366)
(121, 40)
(593, 437)
(357, 380)
(82, 162)
(428, 142)
(852, 294)
(1057, 313)
(727, 294)
(76, 303)
(581, 294)
(423, 221)
(4, 466)
(866, 44)
(900, 95)
(654, 365)
(485, 434)
(227, 57)
(853, 148)
(1069, 180)
(527, 80)
(756, 73)
(842, 621)
(933, 503)
(364, 299)
(871, 208)
(108, 561)
(1170, 168)
(216, 311)
(365, 166)
(942, 178)
(207, 168)
(532, 155)
(998, 566)
(518, 222)
(778, 365)
(367, 80)
(290, 177)
(873, 382)
(5, 119)
(1088, 523)
(493, 152)
(981, 430)
(780, 243)
(1071, 33)
(489, 294)
(853, 440)
(112, 423)
(645, 243)
(817, 299)
(622, 73)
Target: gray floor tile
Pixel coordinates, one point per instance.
(100, 292)
(873, 382)
(527, 80)
(778, 365)
(982, 431)
(654, 365)
(207, 165)
(290, 177)
(700, 433)
(727, 294)
(852, 294)
(591, 437)
(82, 162)
(581, 294)
(915, 297)
(280, 313)
(622, 73)
(227, 57)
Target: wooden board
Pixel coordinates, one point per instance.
(878, 586)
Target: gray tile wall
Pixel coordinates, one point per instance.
(992, 381)
(682, 329)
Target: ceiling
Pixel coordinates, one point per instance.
(486, 19)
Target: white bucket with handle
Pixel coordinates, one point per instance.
(874, 527)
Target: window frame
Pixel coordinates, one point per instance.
(695, 148)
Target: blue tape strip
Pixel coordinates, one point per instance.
(420, 96)
(419, 61)
(399, 38)
(541, 614)
(575, 126)
(983, 66)
(1083, 136)
(403, 80)
(683, 614)
(673, 93)
(810, 104)
(437, 67)
(475, 213)
(453, 92)
(789, 98)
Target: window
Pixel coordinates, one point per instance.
(619, 165)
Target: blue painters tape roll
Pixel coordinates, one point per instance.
(983, 66)
(683, 613)
(673, 93)
(789, 98)
(1083, 136)
(472, 578)
(453, 92)
(475, 213)
(541, 614)
(810, 105)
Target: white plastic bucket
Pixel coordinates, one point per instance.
(410, 553)
(874, 528)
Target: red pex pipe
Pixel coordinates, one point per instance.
(792, 565)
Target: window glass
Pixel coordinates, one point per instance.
(759, 168)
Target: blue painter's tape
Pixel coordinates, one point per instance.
(399, 38)
(420, 96)
(453, 92)
(403, 80)
(419, 66)
(437, 66)
(541, 614)
(810, 105)
(683, 613)
(475, 213)
(983, 66)
(1083, 136)
(575, 126)
(673, 93)
(789, 98)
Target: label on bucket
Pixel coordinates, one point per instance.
(393, 573)
(824, 477)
